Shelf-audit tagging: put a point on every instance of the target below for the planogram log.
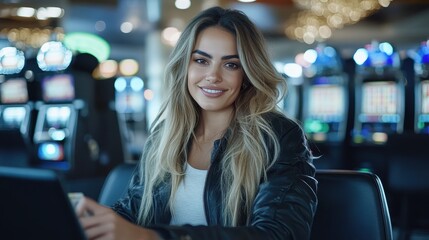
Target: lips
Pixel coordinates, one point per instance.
(210, 92)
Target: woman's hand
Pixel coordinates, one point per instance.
(100, 222)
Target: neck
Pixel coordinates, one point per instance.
(213, 125)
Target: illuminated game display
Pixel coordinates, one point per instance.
(15, 109)
(130, 105)
(326, 111)
(129, 97)
(380, 102)
(379, 94)
(14, 91)
(326, 101)
(422, 89)
(55, 128)
(425, 97)
(55, 125)
(380, 114)
(14, 96)
(423, 116)
(325, 96)
(325, 105)
(72, 130)
(58, 88)
(291, 104)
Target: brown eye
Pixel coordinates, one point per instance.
(200, 61)
(232, 66)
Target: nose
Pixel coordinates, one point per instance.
(213, 76)
(212, 79)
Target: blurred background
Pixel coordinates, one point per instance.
(81, 81)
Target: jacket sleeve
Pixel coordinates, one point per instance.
(285, 204)
(128, 206)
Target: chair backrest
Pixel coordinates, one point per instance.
(116, 184)
(352, 205)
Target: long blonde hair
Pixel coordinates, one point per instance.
(251, 141)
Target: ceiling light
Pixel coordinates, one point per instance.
(126, 27)
(42, 14)
(170, 35)
(293, 70)
(182, 4)
(129, 67)
(327, 15)
(55, 12)
(100, 26)
(25, 12)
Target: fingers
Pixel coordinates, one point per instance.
(87, 206)
(103, 223)
(81, 206)
(98, 221)
(94, 229)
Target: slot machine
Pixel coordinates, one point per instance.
(325, 109)
(291, 103)
(130, 107)
(408, 164)
(421, 124)
(380, 101)
(62, 138)
(15, 109)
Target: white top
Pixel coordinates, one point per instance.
(188, 205)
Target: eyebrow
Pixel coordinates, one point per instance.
(210, 56)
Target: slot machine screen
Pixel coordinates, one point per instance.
(425, 97)
(12, 117)
(57, 117)
(14, 91)
(326, 100)
(58, 88)
(129, 102)
(51, 151)
(129, 96)
(291, 103)
(379, 98)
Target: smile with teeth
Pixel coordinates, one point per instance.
(212, 91)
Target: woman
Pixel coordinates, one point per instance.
(221, 162)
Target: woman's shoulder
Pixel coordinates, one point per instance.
(281, 123)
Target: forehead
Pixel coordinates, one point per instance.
(216, 40)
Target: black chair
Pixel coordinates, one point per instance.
(116, 184)
(352, 206)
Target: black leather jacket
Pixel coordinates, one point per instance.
(283, 208)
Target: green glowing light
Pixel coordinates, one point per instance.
(88, 43)
(316, 126)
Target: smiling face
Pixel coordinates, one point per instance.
(215, 74)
